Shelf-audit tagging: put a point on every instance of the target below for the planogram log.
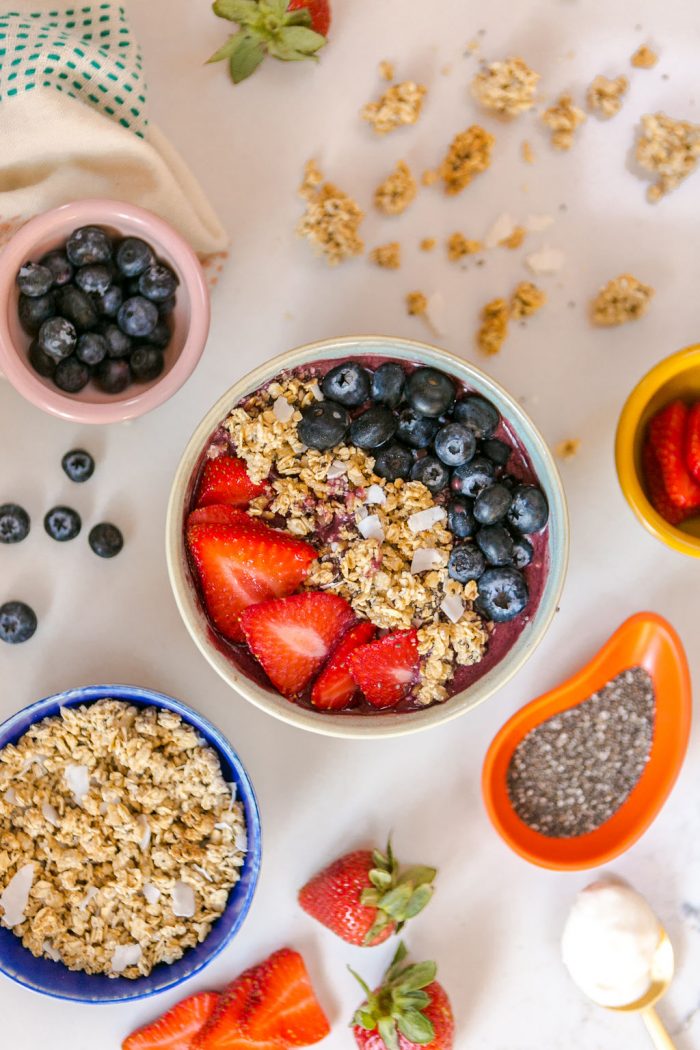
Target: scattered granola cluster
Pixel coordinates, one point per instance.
(386, 70)
(428, 244)
(526, 300)
(622, 299)
(394, 195)
(568, 448)
(644, 58)
(506, 87)
(458, 246)
(417, 304)
(388, 256)
(562, 119)
(669, 149)
(332, 219)
(400, 105)
(469, 155)
(605, 96)
(119, 838)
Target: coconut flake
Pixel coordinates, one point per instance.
(183, 900)
(50, 813)
(240, 840)
(151, 893)
(10, 796)
(90, 892)
(202, 871)
(282, 409)
(501, 230)
(14, 898)
(371, 528)
(78, 780)
(336, 470)
(546, 260)
(426, 558)
(375, 494)
(316, 390)
(49, 950)
(452, 607)
(425, 519)
(145, 827)
(125, 955)
(537, 223)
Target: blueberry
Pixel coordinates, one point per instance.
(479, 414)
(415, 430)
(492, 504)
(113, 375)
(14, 523)
(497, 451)
(348, 384)
(160, 336)
(503, 594)
(61, 269)
(466, 562)
(105, 540)
(157, 282)
(434, 474)
(137, 316)
(41, 362)
(57, 337)
(166, 307)
(388, 383)
(133, 256)
(323, 425)
(34, 280)
(455, 444)
(62, 524)
(460, 518)
(71, 374)
(373, 428)
(88, 245)
(496, 543)
(91, 348)
(509, 481)
(33, 312)
(131, 287)
(78, 465)
(474, 476)
(522, 552)
(109, 301)
(430, 392)
(119, 343)
(393, 462)
(146, 363)
(17, 622)
(94, 278)
(529, 511)
(77, 306)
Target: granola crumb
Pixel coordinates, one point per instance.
(604, 96)
(400, 105)
(397, 191)
(494, 326)
(507, 87)
(386, 70)
(430, 177)
(417, 304)
(332, 219)
(563, 118)
(311, 181)
(514, 239)
(427, 244)
(387, 256)
(469, 155)
(458, 246)
(568, 448)
(526, 300)
(669, 149)
(622, 299)
(644, 58)
(527, 152)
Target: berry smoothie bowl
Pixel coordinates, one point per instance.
(367, 536)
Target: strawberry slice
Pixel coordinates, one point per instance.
(667, 431)
(283, 1005)
(176, 1029)
(225, 1029)
(219, 514)
(692, 441)
(292, 637)
(243, 564)
(655, 487)
(335, 687)
(386, 669)
(225, 480)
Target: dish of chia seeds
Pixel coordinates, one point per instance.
(572, 773)
(366, 536)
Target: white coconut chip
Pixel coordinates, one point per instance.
(500, 230)
(425, 519)
(537, 223)
(336, 470)
(371, 528)
(14, 898)
(282, 409)
(546, 260)
(426, 558)
(10, 796)
(452, 607)
(240, 840)
(316, 390)
(78, 780)
(375, 494)
(125, 955)
(145, 828)
(151, 893)
(90, 893)
(183, 900)
(50, 813)
(202, 871)
(49, 950)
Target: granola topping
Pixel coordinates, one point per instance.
(526, 300)
(394, 195)
(669, 149)
(506, 87)
(644, 58)
(562, 119)
(458, 246)
(332, 219)
(622, 299)
(400, 105)
(469, 155)
(494, 326)
(604, 96)
(387, 256)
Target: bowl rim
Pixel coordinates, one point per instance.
(625, 441)
(144, 696)
(104, 211)
(349, 726)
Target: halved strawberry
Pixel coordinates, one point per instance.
(692, 441)
(292, 637)
(243, 564)
(224, 1028)
(225, 480)
(335, 687)
(655, 487)
(176, 1029)
(283, 1005)
(218, 514)
(667, 431)
(386, 669)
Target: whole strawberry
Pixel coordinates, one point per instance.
(291, 30)
(409, 1010)
(363, 896)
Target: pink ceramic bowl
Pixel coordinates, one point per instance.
(190, 317)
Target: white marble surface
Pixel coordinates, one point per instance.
(495, 922)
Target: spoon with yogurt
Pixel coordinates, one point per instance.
(618, 953)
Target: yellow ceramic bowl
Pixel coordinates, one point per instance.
(676, 376)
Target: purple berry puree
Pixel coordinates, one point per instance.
(503, 636)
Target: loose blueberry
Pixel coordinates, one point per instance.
(460, 518)
(388, 383)
(470, 479)
(160, 336)
(157, 283)
(91, 348)
(14, 523)
(415, 430)
(492, 504)
(88, 245)
(430, 392)
(17, 622)
(71, 375)
(323, 425)
(146, 363)
(373, 428)
(34, 280)
(137, 316)
(108, 302)
(41, 362)
(497, 451)
(77, 306)
(496, 543)
(61, 269)
(522, 552)
(113, 375)
(503, 594)
(33, 312)
(530, 510)
(348, 384)
(119, 344)
(455, 444)
(78, 465)
(133, 256)
(466, 562)
(62, 524)
(479, 414)
(434, 474)
(57, 337)
(95, 278)
(105, 540)
(393, 462)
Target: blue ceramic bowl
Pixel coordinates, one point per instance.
(55, 979)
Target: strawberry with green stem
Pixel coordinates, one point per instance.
(290, 30)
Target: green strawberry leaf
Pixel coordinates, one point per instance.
(417, 1000)
(227, 49)
(246, 57)
(363, 985)
(387, 1030)
(365, 1020)
(416, 1027)
(418, 900)
(370, 897)
(395, 901)
(380, 860)
(298, 18)
(418, 876)
(235, 10)
(418, 976)
(381, 879)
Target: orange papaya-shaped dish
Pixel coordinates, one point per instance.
(645, 641)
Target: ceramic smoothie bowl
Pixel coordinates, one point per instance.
(365, 537)
(188, 321)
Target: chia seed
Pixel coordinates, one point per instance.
(573, 772)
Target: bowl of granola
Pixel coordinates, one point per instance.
(367, 537)
(130, 844)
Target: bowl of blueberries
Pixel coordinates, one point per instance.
(105, 311)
